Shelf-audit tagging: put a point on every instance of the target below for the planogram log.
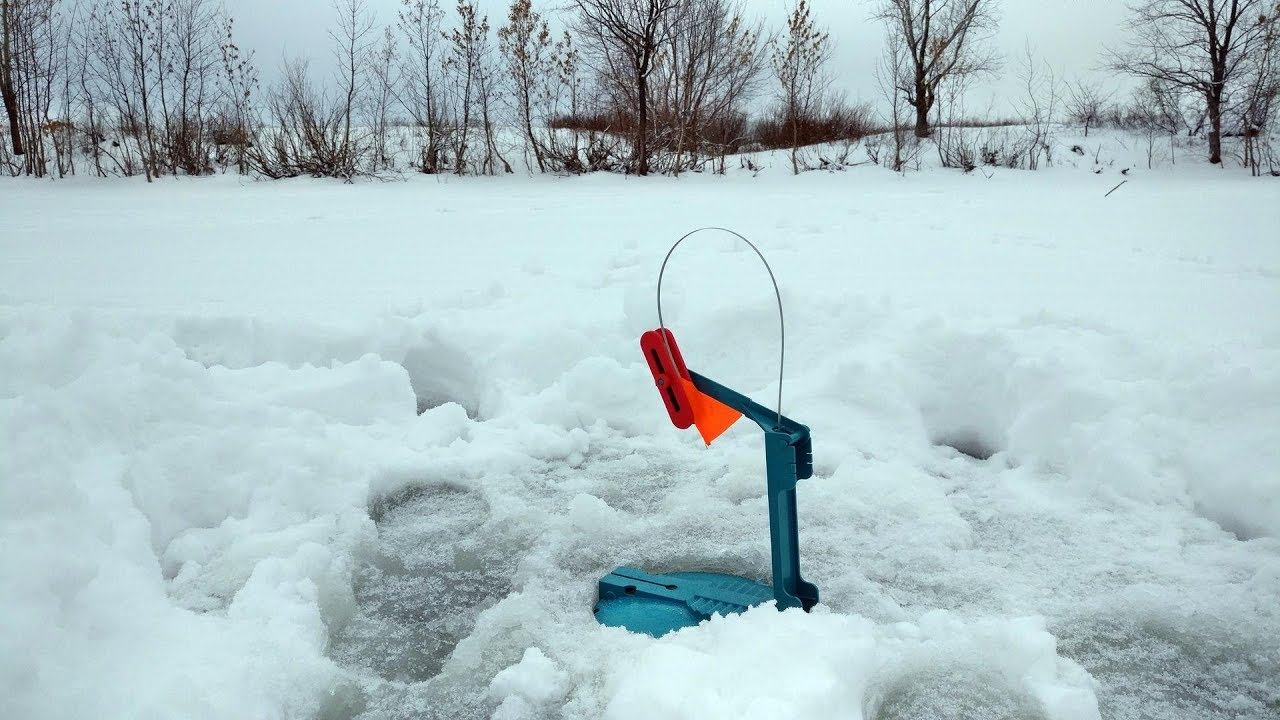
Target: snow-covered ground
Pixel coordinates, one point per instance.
(311, 450)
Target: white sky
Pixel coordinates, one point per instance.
(1069, 34)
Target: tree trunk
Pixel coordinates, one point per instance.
(140, 70)
(11, 108)
(923, 105)
(1214, 106)
(642, 150)
(795, 144)
(6, 79)
(922, 121)
(527, 104)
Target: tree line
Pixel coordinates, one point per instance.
(161, 87)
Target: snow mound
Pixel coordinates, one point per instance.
(828, 665)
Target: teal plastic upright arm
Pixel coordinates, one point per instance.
(788, 459)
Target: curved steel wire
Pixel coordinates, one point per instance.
(782, 330)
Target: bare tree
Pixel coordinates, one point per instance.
(578, 152)
(238, 84)
(130, 81)
(91, 108)
(1199, 45)
(1038, 107)
(310, 132)
(528, 54)
(488, 87)
(63, 130)
(32, 45)
(891, 73)
(125, 43)
(1167, 102)
(1141, 116)
(473, 83)
(1086, 103)
(421, 92)
(463, 67)
(942, 39)
(351, 48)
(135, 28)
(624, 38)
(958, 146)
(1258, 109)
(382, 68)
(108, 83)
(188, 56)
(306, 131)
(800, 60)
(712, 61)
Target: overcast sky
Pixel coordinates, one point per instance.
(1069, 34)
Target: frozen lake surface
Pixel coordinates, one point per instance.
(313, 450)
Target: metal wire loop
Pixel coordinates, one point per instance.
(782, 333)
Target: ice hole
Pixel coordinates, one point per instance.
(1191, 665)
(969, 444)
(954, 693)
(421, 591)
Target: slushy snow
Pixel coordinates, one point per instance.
(310, 450)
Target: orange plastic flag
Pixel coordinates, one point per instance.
(710, 415)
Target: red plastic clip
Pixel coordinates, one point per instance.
(667, 365)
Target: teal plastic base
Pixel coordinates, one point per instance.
(658, 604)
